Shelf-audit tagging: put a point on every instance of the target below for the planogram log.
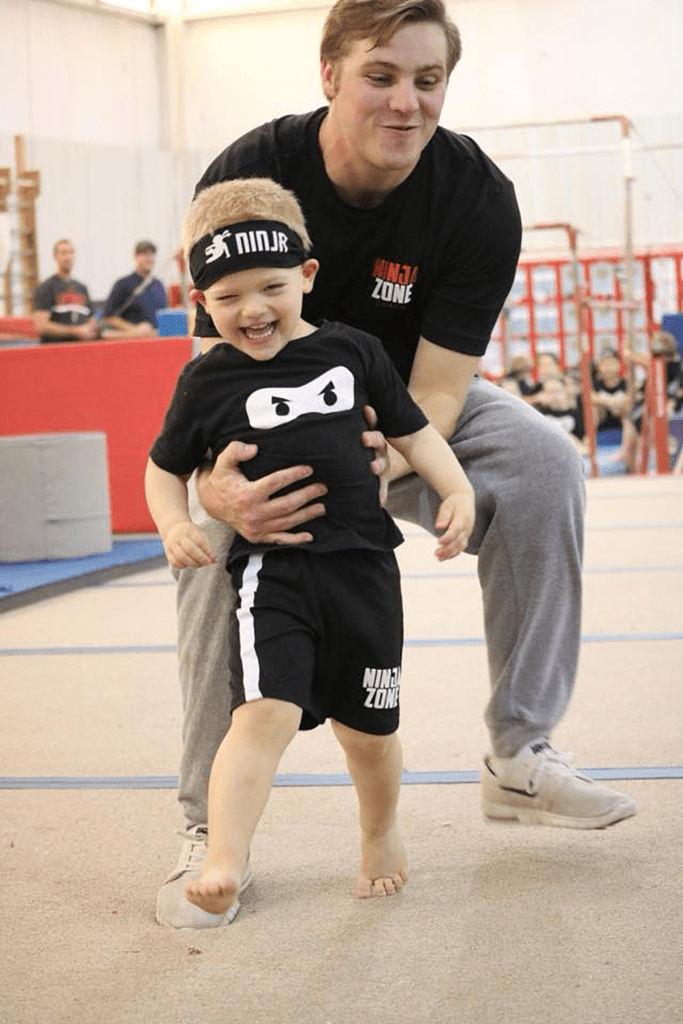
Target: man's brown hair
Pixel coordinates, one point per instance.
(378, 20)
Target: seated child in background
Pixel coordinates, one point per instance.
(557, 402)
(610, 397)
(519, 373)
(547, 368)
(663, 344)
(317, 629)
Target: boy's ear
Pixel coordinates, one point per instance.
(197, 296)
(309, 269)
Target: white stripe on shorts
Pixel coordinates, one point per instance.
(245, 621)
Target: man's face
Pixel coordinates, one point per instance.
(64, 258)
(144, 262)
(387, 99)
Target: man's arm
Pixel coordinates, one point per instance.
(49, 329)
(438, 383)
(116, 300)
(118, 324)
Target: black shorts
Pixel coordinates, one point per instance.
(323, 631)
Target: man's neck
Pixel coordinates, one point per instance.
(354, 182)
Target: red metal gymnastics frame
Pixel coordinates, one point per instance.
(654, 428)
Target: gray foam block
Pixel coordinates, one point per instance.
(54, 501)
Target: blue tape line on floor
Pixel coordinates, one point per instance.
(654, 526)
(602, 569)
(597, 569)
(294, 780)
(458, 641)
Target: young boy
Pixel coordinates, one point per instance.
(557, 403)
(317, 629)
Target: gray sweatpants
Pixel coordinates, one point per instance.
(528, 535)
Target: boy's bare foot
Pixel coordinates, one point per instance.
(383, 868)
(214, 892)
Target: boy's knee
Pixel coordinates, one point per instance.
(365, 746)
(267, 717)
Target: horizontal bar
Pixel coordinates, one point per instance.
(295, 780)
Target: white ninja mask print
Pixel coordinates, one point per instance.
(333, 391)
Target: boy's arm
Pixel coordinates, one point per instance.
(186, 545)
(428, 453)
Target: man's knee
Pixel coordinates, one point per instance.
(538, 454)
(557, 461)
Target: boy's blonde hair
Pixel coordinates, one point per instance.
(231, 202)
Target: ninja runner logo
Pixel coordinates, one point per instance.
(245, 242)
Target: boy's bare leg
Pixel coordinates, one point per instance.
(239, 787)
(375, 764)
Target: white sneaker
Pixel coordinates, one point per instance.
(173, 907)
(539, 786)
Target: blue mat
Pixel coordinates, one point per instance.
(25, 582)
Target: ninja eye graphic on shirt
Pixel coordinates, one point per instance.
(333, 391)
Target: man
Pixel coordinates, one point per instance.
(62, 310)
(135, 300)
(417, 234)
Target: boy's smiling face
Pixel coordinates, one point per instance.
(258, 311)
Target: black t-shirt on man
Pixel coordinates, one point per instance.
(66, 300)
(436, 259)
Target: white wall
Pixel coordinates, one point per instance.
(544, 59)
(242, 71)
(79, 76)
(84, 90)
(90, 92)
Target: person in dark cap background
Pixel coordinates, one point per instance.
(134, 301)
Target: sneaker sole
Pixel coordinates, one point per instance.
(504, 814)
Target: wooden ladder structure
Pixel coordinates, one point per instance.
(28, 190)
(5, 275)
(27, 187)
